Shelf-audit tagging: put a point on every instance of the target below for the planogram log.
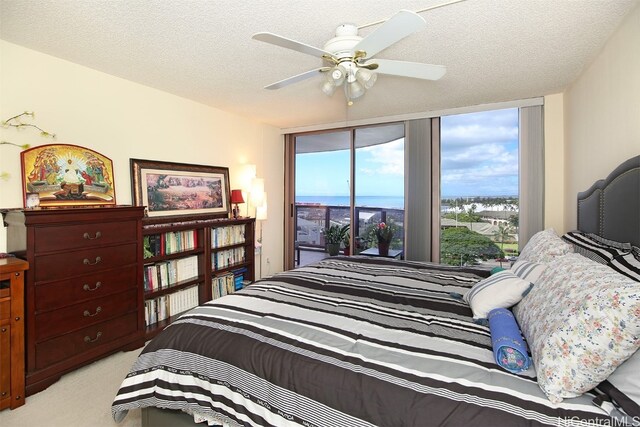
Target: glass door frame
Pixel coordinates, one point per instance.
(290, 251)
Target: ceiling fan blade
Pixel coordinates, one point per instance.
(297, 78)
(394, 29)
(290, 44)
(415, 70)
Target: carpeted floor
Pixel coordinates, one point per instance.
(81, 398)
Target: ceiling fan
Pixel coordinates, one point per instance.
(349, 58)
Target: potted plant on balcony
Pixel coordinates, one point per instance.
(333, 236)
(384, 234)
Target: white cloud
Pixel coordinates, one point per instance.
(382, 159)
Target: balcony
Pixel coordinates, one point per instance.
(311, 219)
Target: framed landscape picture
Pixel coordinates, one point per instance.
(58, 175)
(169, 189)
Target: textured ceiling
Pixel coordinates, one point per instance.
(494, 50)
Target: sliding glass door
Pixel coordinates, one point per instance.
(379, 185)
(322, 210)
(474, 184)
(347, 183)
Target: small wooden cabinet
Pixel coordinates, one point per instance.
(83, 290)
(12, 332)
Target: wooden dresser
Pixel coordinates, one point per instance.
(12, 332)
(84, 288)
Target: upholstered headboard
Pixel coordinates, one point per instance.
(611, 207)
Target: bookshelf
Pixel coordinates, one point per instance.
(191, 260)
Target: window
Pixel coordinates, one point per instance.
(479, 209)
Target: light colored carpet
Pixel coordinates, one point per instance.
(81, 398)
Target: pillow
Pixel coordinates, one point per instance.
(509, 349)
(628, 264)
(544, 246)
(581, 320)
(595, 247)
(500, 290)
(623, 385)
(495, 270)
(529, 271)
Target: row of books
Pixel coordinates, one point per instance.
(226, 236)
(170, 243)
(228, 283)
(164, 274)
(161, 308)
(228, 257)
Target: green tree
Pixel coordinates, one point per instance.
(461, 246)
(503, 233)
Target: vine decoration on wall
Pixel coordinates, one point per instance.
(17, 123)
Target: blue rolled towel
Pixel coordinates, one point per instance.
(509, 349)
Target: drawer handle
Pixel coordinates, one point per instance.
(88, 236)
(87, 262)
(90, 289)
(3, 330)
(87, 314)
(88, 339)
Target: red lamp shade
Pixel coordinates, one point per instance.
(236, 196)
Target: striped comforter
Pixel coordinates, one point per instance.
(348, 341)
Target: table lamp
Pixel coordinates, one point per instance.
(236, 197)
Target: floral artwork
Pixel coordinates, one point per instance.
(68, 175)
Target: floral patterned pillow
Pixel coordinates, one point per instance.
(581, 320)
(544, 247)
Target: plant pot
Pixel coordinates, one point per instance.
(383, 248)
(333, 248)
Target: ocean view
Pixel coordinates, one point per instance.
(389, 202)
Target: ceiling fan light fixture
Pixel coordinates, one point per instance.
(329, 87)
(366, 78)
(337, 74)
(353, 90)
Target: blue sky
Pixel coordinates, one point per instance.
(479, 158)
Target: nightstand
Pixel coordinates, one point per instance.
(12, 332)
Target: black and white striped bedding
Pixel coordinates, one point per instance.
(349, 341)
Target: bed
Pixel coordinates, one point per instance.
(359, 341)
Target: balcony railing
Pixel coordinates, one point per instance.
(311, 219)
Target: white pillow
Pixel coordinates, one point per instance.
(581, 320)
(544, 247)
(529, 271)
(626, 378)
(501, 290)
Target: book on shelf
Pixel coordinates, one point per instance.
(165, 306)
(227, 236)
(169, 243)
(228, 257)
(222, 285)
(164, 274)
(238, 277)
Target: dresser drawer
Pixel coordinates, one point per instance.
(73, 263)
(78, 236)
(74, 343)
(56, 322)
(97, 285)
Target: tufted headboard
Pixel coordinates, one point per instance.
(611, 207)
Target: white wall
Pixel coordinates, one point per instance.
(122, 120)
(602, 114)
